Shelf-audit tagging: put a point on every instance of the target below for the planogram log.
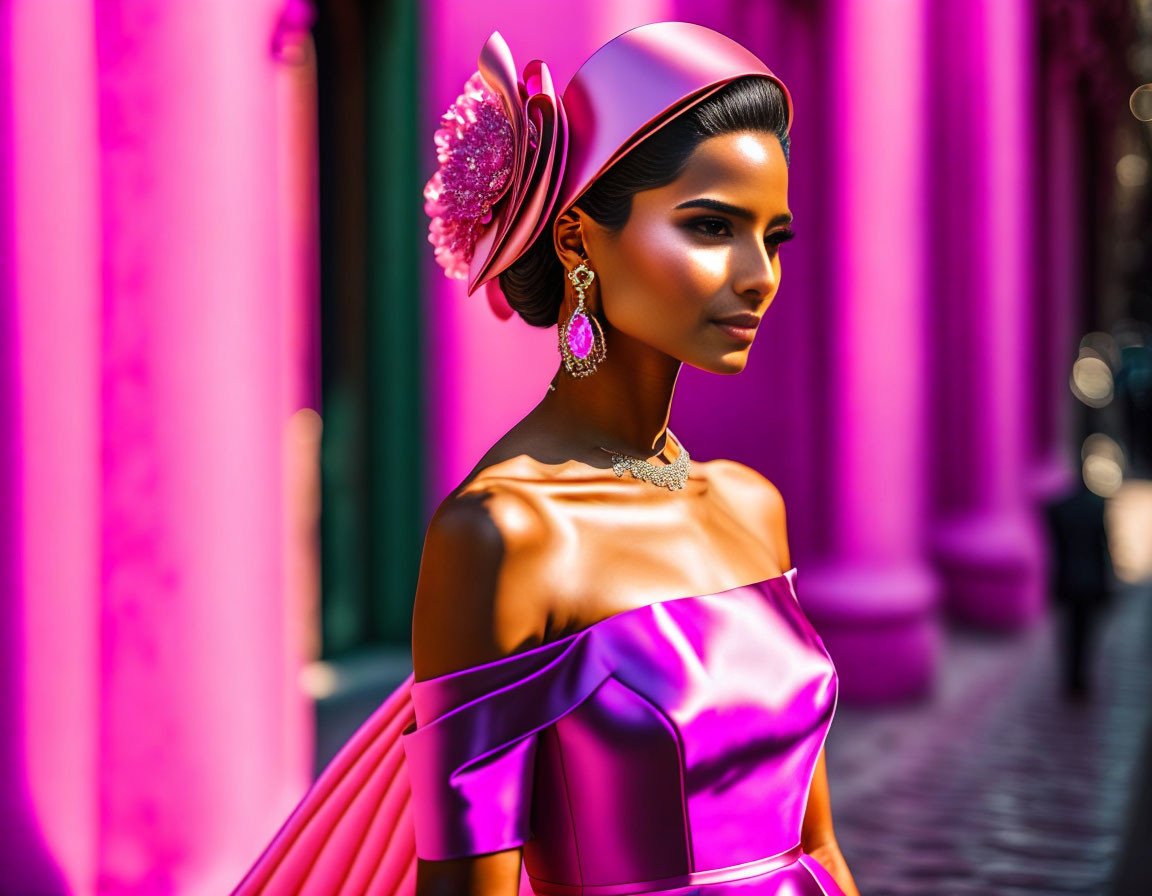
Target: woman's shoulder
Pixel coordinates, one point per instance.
(745, 480)
(472, 604)
(494, 507)
(750, 496)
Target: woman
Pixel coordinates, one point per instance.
(615, 689)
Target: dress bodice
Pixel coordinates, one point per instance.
(671, 745)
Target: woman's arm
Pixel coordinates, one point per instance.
(816, 834)
(493, 874)
(460, 619)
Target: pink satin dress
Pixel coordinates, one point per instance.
(667, 749)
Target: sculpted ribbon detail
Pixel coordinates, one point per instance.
(502, 147)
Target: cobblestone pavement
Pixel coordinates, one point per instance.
(996, 785)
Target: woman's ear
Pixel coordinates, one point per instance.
(568, 237)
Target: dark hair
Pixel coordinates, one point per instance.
(534, 283)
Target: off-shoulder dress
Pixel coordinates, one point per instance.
(667, 749)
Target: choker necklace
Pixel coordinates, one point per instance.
(671, 476)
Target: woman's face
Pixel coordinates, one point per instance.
(703, 247)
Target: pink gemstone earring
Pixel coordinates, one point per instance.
(581, 337)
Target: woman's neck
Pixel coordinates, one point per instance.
(623, 405)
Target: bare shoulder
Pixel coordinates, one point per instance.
(470, 605)
(750, 495)
(742, 484)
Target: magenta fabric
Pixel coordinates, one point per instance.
(666, 749)
(638, 82)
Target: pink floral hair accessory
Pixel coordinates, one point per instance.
(501, 147)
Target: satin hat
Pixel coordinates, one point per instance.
(512, 151)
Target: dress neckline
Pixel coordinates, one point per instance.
(786, 575)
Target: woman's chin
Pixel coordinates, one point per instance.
(728, 363)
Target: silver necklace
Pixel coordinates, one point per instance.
(670, 476)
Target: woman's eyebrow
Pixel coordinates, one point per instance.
(734, 210)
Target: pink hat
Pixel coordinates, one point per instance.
(511, 151)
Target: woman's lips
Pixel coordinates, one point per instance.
(742, 334)
(741, 327)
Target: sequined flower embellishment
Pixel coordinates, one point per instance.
(475, 148)
(501, 147)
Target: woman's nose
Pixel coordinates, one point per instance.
(756, 272)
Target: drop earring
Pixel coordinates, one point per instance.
(581, 337)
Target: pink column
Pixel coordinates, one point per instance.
(869, 591)
(830, 405)
(158, 294)
(769, 416)
(50, 556)
(987, 543)
(203, 732)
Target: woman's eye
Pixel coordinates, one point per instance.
(781, 236)
(705, 225)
